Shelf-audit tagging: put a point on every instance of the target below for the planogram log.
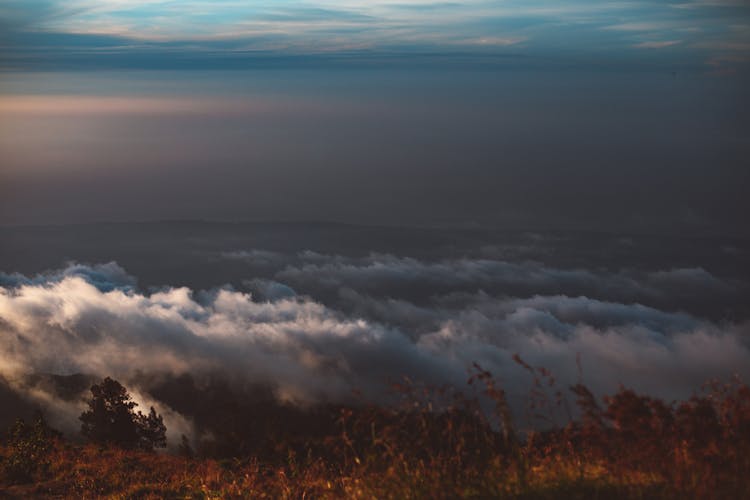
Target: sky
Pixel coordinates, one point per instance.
(146, 33)
(543, 114)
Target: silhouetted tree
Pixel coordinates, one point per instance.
(111, 419)
(152, 430)
(185, 449)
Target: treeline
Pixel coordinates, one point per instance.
(437, 443)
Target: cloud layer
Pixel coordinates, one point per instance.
(93, 320)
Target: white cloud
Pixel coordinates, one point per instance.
(310, 352)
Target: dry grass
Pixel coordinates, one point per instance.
(442, 445)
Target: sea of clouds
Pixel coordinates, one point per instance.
(327, 325)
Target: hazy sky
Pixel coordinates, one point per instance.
(593, 115)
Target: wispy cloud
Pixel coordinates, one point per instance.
(656, 44)
(697, 4)
(380, 25)
(640, 26)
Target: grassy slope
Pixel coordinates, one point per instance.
(628, 446)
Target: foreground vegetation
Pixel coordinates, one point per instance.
(438, 444)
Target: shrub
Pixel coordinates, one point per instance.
(27, 449)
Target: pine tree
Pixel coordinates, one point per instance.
(111, 419)
(151, 430)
